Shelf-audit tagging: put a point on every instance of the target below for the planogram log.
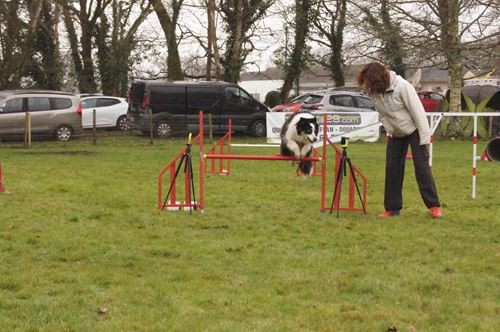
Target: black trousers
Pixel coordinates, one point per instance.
(397, 148)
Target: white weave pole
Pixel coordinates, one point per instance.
(474, 159)
(435, 119)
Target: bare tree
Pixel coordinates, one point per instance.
(294, 63)
(383, 34)
(29, 45)
(87, 14)
(44, 65)
(329, 20)
(240, 18)
(11, 37)
(449, 29)
(115, 42)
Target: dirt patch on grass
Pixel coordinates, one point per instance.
(64, 153)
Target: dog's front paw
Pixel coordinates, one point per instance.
(304, 153)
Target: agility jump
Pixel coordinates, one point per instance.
(223, 146)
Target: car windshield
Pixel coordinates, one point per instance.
(313, 99)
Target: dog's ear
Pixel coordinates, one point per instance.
(316, 127)
(301, 121)
(301, 124)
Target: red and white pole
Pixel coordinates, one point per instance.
(474, 152)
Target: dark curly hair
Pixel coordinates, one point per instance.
(374, 78)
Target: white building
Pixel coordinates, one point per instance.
(259, 88)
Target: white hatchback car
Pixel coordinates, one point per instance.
(110, 112)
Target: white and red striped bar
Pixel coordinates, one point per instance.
(257, 157)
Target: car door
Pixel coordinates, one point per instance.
(12, 116)
(204, 98)
(107, 110)
(238, 106)
(88, 105)
(42, 116)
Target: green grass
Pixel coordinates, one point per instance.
(83, 246)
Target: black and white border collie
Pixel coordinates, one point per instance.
(298, 134)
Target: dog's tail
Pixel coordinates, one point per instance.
(306, 167)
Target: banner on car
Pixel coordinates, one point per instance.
(362, 126)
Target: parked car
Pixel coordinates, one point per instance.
(53, 113)
(175, 107)
(293, 106)
(110, 112)
(432, 101)
(338, 101)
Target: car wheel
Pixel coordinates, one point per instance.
(258, 128)
(163, 129)
(121, 123)
(63, 133)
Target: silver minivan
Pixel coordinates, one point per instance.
(54, 113)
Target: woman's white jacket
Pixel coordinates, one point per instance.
(401, 111)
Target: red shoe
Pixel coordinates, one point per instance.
(388, 214)
(435, 212)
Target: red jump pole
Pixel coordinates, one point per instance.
(2, 188)
(202, 164)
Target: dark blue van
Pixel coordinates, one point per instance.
(175, 107)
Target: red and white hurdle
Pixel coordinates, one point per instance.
(208, 164)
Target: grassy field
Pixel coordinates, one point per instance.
(84, 247)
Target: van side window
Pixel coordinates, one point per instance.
(89, 103)
(245, 97)
(14, 105)
(341, 101)
(167, 95)
(233, 95)
(364, 103)
(203, 96)
(38, 104)
(60, 103)
(103, 102)
(237, 96)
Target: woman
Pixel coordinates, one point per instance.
(404, 120)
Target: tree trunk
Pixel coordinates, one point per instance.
(48, 41)
(394, 50)
(294, 69)
(73, 43)
(233, 58)
(449, 14)
(213, 56)
(27, 47)
(105, 59)
(168, 24)
(88, 79)
(337, 42)
(10, 38)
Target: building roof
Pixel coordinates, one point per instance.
(319, 76)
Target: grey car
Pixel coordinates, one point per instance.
(54, 113)
(338, 101)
